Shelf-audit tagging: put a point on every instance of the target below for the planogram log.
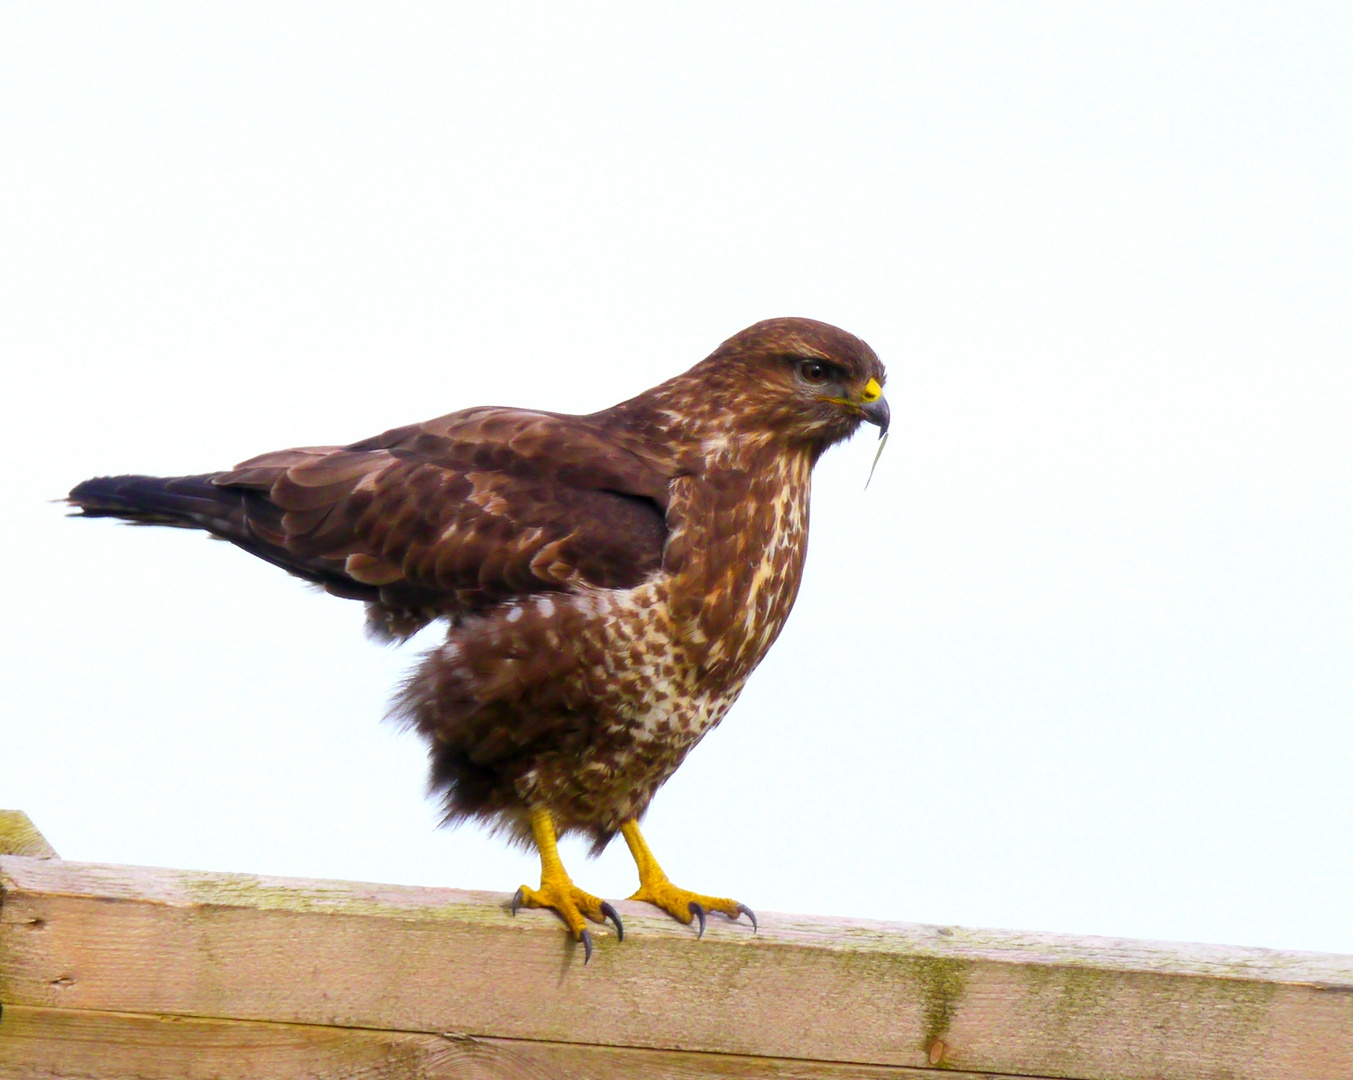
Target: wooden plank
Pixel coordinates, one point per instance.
(19, 836)
(118, 939)
(59, 1042)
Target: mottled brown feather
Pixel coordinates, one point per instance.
(608, 581)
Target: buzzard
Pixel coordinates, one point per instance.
(608, 582)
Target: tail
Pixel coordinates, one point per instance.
(233, 506)
(245, 517)
(185, 502)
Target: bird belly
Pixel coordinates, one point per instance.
(585, 703)
(617, 774)
(646, 706)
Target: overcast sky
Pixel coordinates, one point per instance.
(1079, 660)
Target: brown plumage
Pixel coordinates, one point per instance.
(609, 581)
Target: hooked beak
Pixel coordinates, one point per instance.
(876, 412)
(874, 407)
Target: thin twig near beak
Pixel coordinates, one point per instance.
(883, 441)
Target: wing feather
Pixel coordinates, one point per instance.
(461, 512)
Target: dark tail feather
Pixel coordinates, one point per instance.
(186, 502)
(245, 517)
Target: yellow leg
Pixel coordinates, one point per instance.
(655, 888)
(557, 890)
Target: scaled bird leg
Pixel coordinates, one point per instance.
(557, 890)
(656, 889)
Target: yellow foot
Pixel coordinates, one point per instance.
(682, 904)
(558, 892)
(685, 906)
(571, 904)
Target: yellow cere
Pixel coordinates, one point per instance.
(872, 391)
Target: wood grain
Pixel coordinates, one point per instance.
(58, 1042)
(108, 939)
(19, 836)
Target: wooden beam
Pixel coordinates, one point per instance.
(81, 942)
(61, 1042)
(19, 836)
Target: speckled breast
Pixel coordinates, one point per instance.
(692, 636)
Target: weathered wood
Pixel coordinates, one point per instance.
(59, 1042)
(105, 939)
(19, 836)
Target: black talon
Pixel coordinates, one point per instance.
(516, 902)
(743, 909)
(699, 913)
(586, 939)
(610, 913)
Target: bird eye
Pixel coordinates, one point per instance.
(814, 371)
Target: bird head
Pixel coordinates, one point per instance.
(796, 382)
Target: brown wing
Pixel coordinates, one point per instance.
(458, 513)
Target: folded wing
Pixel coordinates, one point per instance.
(443, 518)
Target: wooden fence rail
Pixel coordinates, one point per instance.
(115, 971)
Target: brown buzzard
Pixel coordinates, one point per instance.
(608, 581)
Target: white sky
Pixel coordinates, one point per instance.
(1081, 659)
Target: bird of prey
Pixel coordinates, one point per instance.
(608, 582)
